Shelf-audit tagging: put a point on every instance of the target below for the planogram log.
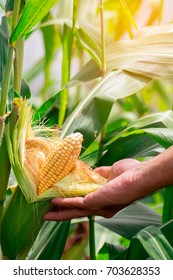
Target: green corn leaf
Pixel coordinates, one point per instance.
(21, 223)
(3, 47)
(88, 35)
(161, 119)
(150, 242)
(111, 252)
(4, 173)
(25, 90)
(89, 43)
(91, 114)
(15, 144)
(9, 6)
(133, 145)
(44, 110)
(131, 220)
(2, 125)
(1, 7)
(147, 141)
(164, 136)
(168, 204)
(121, 127)
(33, 12)
(149, 54)
(66, 62)
(167, 229)
(50, 241)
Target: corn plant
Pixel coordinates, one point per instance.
(50, 148)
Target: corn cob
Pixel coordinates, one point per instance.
(60, 161)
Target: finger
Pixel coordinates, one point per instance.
(99, 198)
(65, 214)
(112, 193)
(104, 171)
(123, 165)
(74, 202)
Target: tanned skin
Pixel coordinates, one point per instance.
(128, 181)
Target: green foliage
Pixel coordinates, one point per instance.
(33, 12)
(3, 47)
(130, 220)
(150, 242)
(50, 241)
(23, 228)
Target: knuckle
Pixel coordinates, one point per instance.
(124, 164)
(130, 179)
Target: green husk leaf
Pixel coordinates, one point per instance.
(50, 242)
(2, 124)
(72, 185)
(15, 143)
(18, 234)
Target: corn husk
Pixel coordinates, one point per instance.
(20, 225)
(28, 148)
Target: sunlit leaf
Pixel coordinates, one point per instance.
(89, 45)
(32, 13)
(160, 119)
(117, 21)
(91, 114)
(149, 54)
(156, 11)
(128, 13)
(88, 35)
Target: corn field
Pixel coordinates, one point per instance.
(82, 84)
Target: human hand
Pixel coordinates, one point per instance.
(116, 194)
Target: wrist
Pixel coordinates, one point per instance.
(156, 173)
